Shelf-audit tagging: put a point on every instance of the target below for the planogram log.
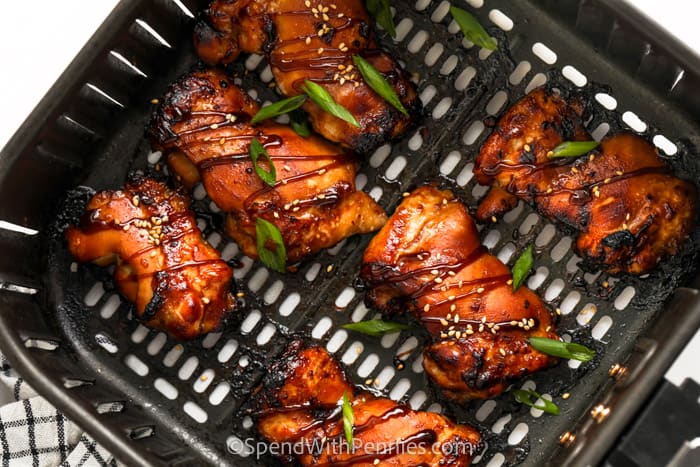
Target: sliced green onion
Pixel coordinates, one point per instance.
(348, 418)
(376, 81)
(573, 148)
(271, 250)
(472, 30)
(324, 100)
(524, 396)
(376, 327)
(278, 108)
(299, 123)
(256, 150)
(561, 349)
(380, 11)
(522, 267)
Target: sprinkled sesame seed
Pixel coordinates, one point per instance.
(329, 268)
(502, 352)
(627, 217)
(322, 171)
(307, 3)
(214, 126)
(443, 335)
(426, 308)
(406, 193)
(205, 300)
(451, 297)
(481, 328)
(453, 307)
(320, 50)
(135, 200)
(456, 318)
(154, 101)
(321, 196)
(341, 45)
(549, 328)
(443, 321)
(618, 172)
(591, 157)
(607, 180)
(451, 273)
(597, 194)
(574, 170)
(480, 290)
(308, 41)
(434, 272)
(549, 190)
(566, 395)
(605, 284)
(493, 219)
(483, 319)
(438, 280)
(376, 462)
(458, 334)
(340, 15)
(469, 331)
(296, 209)
(558, 311)
(314, 10)
(509, 282)
(451, 333)
(444, 201)
(277, 216)
(527, 148)
(550, 153)
(513, 323)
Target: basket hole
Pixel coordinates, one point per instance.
(506, 252)
(407, 347)
(665, 145)
(497, 102)
(624, 298)
(204, 380)
(359, 312)
(570, 302)
(139, 334)
(196, 412)
(415, 142)
(417, 366)
(497, 460)
(417, 400)
(110, 306)
(258, 279)
(141, 432)
(94, 294)
(214, 239)
(427, 94)
(384, 377)
(477, 459)
(440, 12)
(473, 132)
(229, 251)
(450, 162)
(321, 328)
(253, 61)
(110, 407)
(187, 368)
(245, 264)
(529, 222)
(485, 410)
(360, 181)
(561, 249)
(266, 334)
(538, 278)
(237, 446)
(266, 74)
(600, 131)
(544, 53)
(380, 155)
(165, 388)
(157, 343)
(173, 355)
(136, 365)
(464, 78)
(476, 3)
(415, 44)
(572, 264)
(586, 314)
(396, 167)
(210, 340)
(149, 29)
(389, 340)
(573, 75)
(606, 100)
(512, 215)
(491, 239)
(106, 343)
(250, 321)
(449, 65)
(442, 107)
(41, 344)
(345, 297)
(501, 423)
(435, 407)
(554, 290)
(72, 383)
(601, 327)
(501, 20)
(546, 235)
(336, 248)
(422, 5)
(400, 389)
(337, 340)
(352, 353)
(538, 80)
(368, 365)
(312, 272)
(634, 122)
(466, 174)
(219, 393)
(434, 53)
(227, 351)
(519, 73)
(273, 292)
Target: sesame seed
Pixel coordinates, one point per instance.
(214, 126)
(277, 216)
(434, 272)
(618, 172)
(490, 325)
(496, 327)
(574, 170)
(320, 32)
(135, 200)
(451, 273)
(350, 67)
(597, 194)
(426, 308)
(203, 378)
(607, 180)
(591, 157)
(322, 171)
(314, 10)
(307, 3)
(320, 50)
(509, 282)
(449, 315)
(481, 328)
(154, 101)
(325, 17)
(451, 333)
(287, 207)
(549, 190)
(308, 41)
(527, 148)
(606, 284)
(502, 352)
(627, 217)
(205, 300)
(404, 195)
(550, 153)
(456, 319)
(444, 201)
(333, 6)
(443, 321)
(549, 328)
(341, 45)
(329, 268)
(438, 280)
(566, 395)
(296, 209)
(453, 307)
(321, 196)
(458, 334)
(531, 322)
(222, 141)
(483, 319)
(376, 462)
(443, 335)
(480, 290)
(493, 219)
(126, 227)
(340, 15)
(469, 331)
(624, 226)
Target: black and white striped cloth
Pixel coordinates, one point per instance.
(34, 433)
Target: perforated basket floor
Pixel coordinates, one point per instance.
(185, 403)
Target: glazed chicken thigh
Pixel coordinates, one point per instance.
(177, 281)
(629, 209)
(309, 40)
(428, 262)
(298, 404)
(203, 125)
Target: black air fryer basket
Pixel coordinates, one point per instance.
(153, 401)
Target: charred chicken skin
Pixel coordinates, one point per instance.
(177, 281)
(629, 209)
(204, 127)
(312, 41)
(299, 406)
(427, 261)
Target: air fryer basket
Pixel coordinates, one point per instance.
(153, 401)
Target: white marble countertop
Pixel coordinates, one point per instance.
(39, 39)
